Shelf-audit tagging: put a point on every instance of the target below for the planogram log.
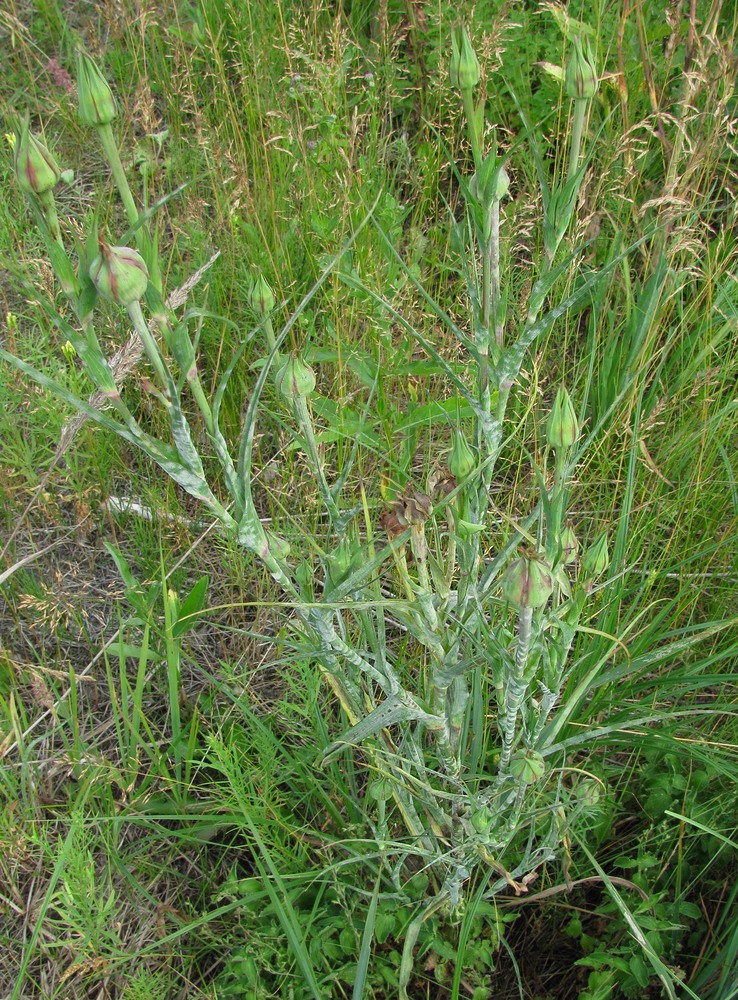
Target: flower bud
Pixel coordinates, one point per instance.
(464, 66)
(461, 461)
(295, 379)
(581, 81)
(596, 559)
(562, 428)
(120, 274)
(528, 582)
(279, 546)
(569, 544)
(527, 766)
(36, 169)
(262, 296)
(96, 102)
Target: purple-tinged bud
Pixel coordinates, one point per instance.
(120, 274)
(295, 379)
(262, 296)
(96, 102)
(562, 429)
(569, 544)
(279, 546)
(36, 169)
(581, 81)
(528, 582)
(464, 66)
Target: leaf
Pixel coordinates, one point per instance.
(391, 711)
(191, 607)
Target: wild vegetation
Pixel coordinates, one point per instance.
(370, 511)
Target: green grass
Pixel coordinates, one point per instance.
(168, 828)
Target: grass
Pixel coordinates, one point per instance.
(169, 828)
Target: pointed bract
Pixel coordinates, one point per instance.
(36, 169)
(96, 102)
(120, 274)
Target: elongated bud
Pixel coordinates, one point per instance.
(96, 102)
(596, 559)
(262, 296)
(562, 428)
(120, 274)
(36, 169)
(463, 68)
(295, 379)
(569, 544)
(461, 460)
(528, 582)
(581, 80)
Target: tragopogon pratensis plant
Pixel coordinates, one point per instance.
(458, 782)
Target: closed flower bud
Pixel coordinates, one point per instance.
(461, 461)
(596, 559)
(569, 544)
(279, 546)
(36, 169)
(581, 80)
(464, 66)
(120, 274)
(262, 296)
(96, 102)
(562, 428)
(295, 379)
(528, 582)
(527, 766)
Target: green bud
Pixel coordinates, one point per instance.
(581, 80)
(279, 546)
(589, 793)
(464, 66)
(596, 559)
(482, 820)
(562, 428)
(262, 296)
(461, 460)
(569, 544)
(120, 274)
(295, 379)
(528, 582)
(96, 102)
(36, 169)
(527, 766)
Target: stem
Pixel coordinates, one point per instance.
(557, 507)
(306, 425)
(515, 692)
(48, 207)
(217, 439)
(119, 176)
(150, 346)
(577, 131)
